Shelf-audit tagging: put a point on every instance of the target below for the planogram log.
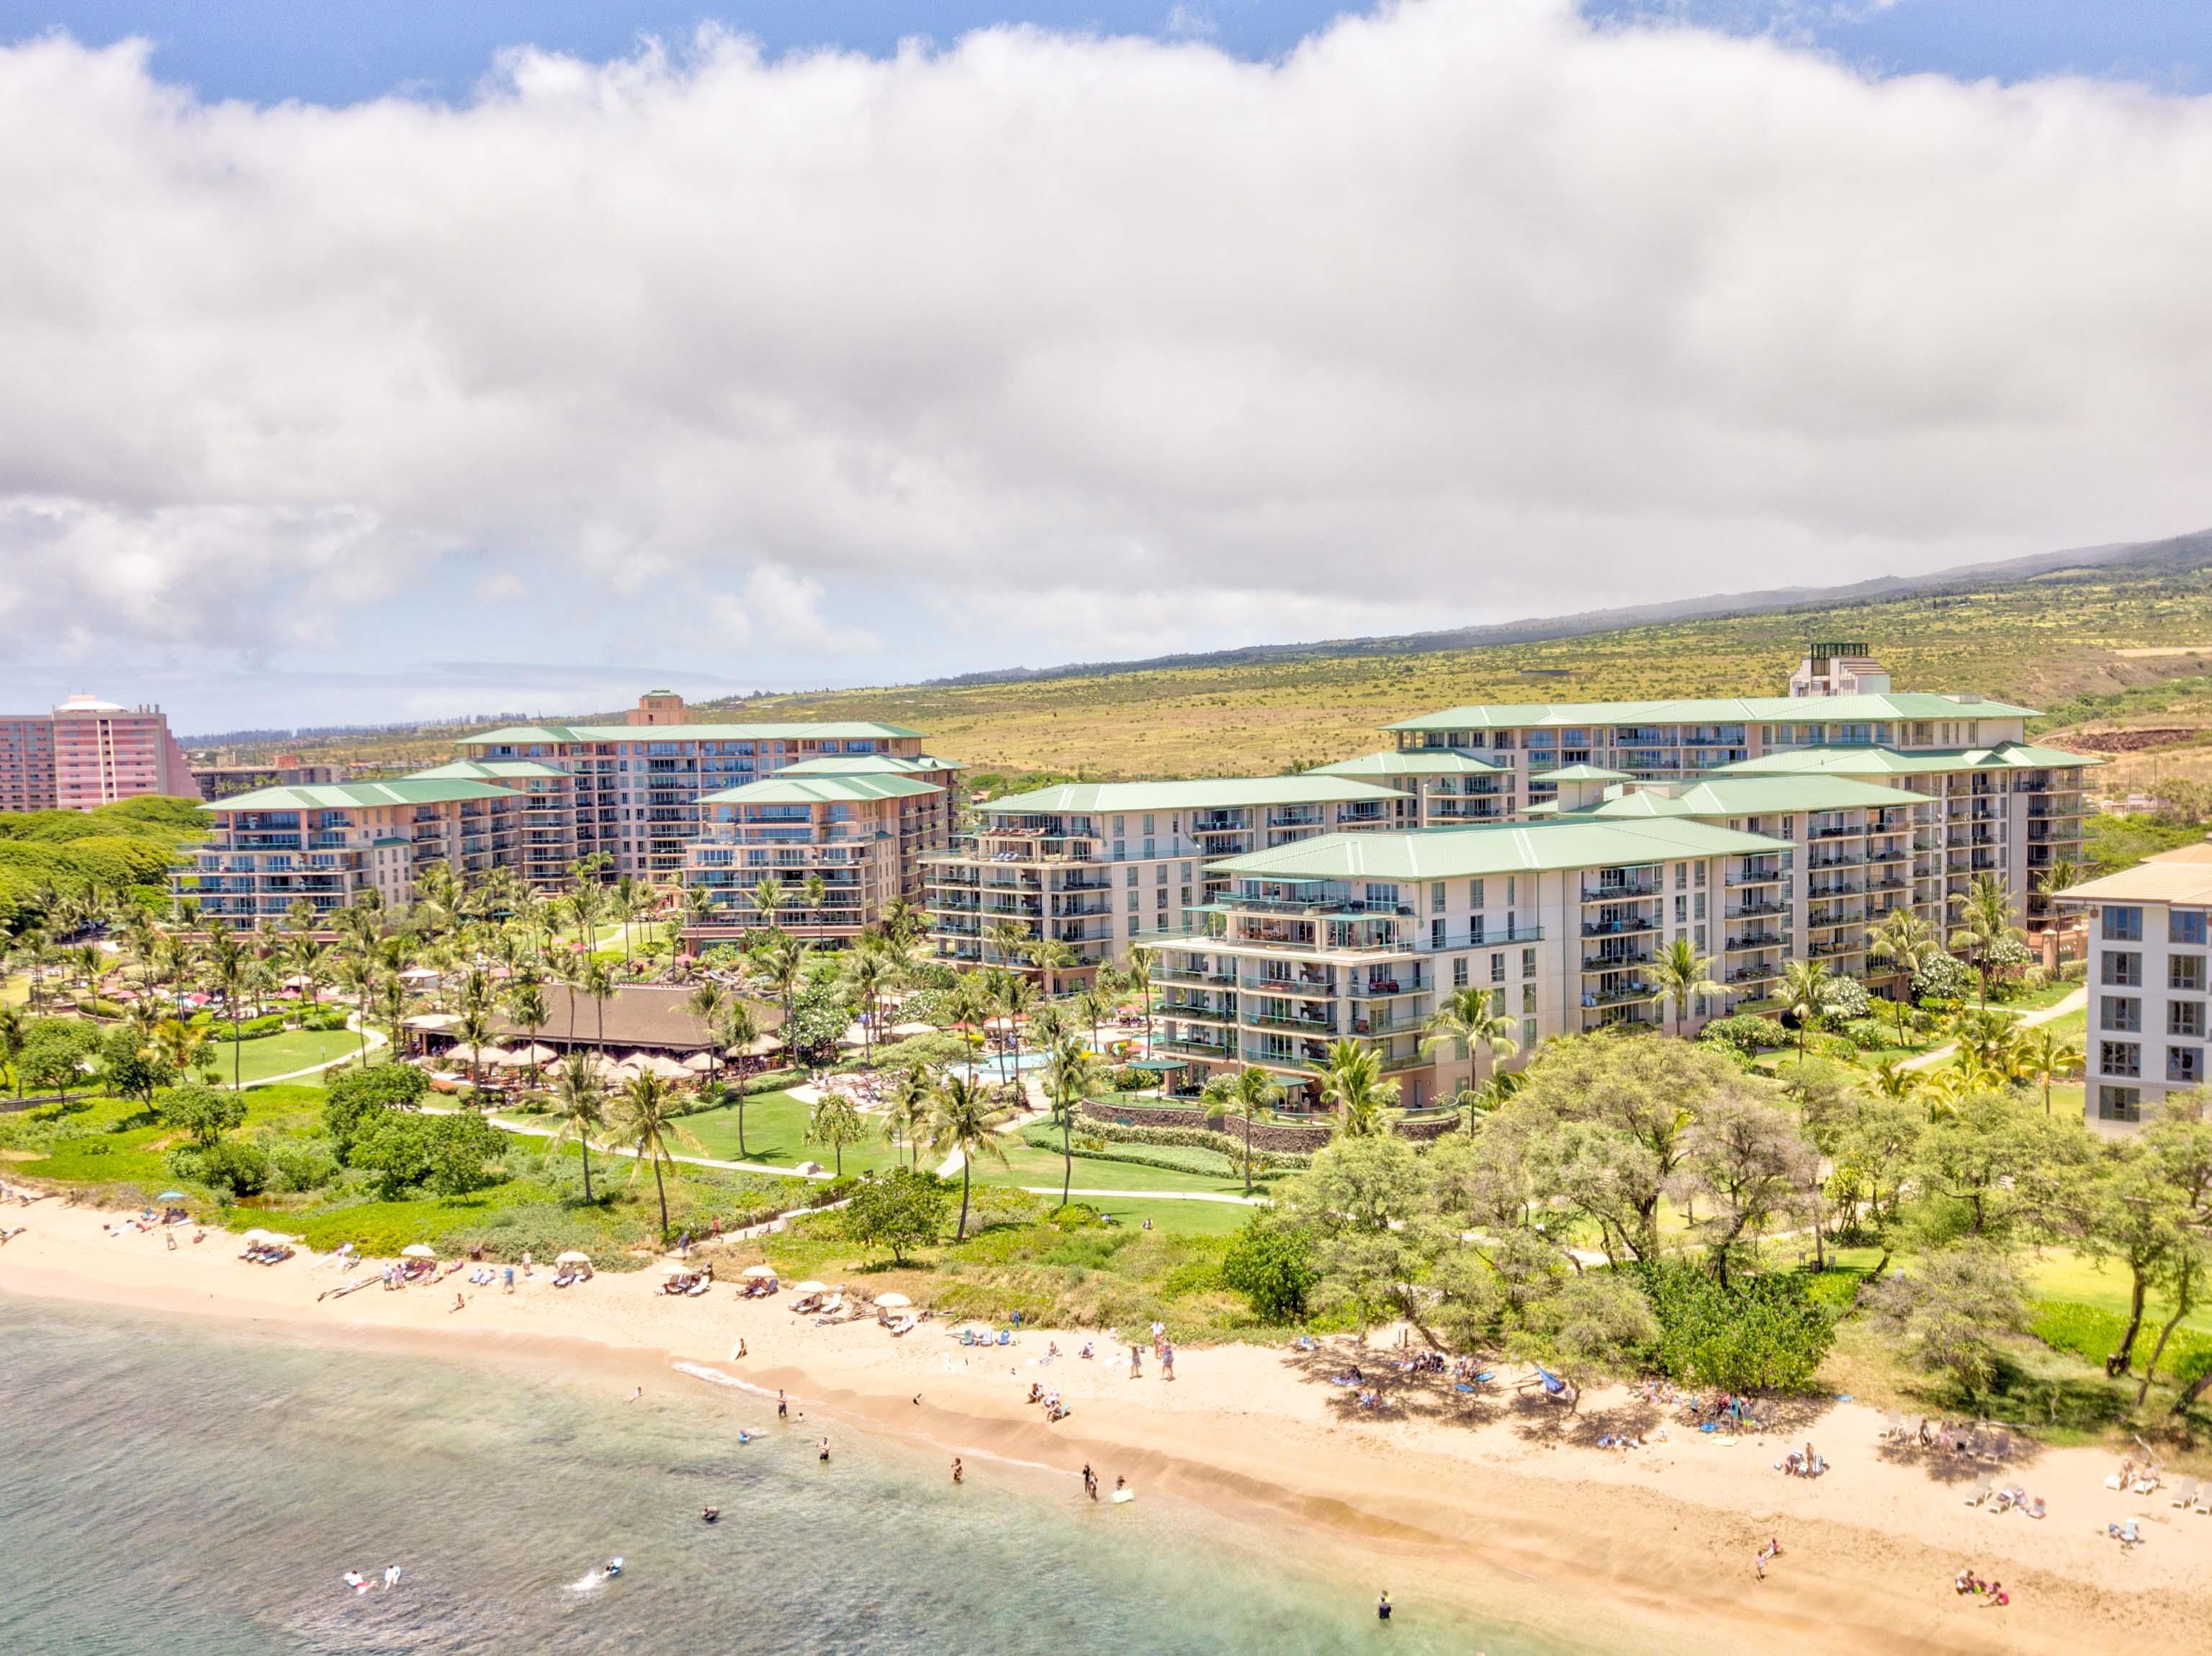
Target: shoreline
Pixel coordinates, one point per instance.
(1485, 1501)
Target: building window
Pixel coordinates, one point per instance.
(2121, 925)
(1459, 973)
(1436, 896)
(2186, 926)
(2119, 1058)
(2119, 1104)
(1681, 877)
(1437, 934)
(2184, 1064)
(1474, 893)
(1497, 968)
(1527, 997)
(2185, 972)
(1527, 1034)
(2122, 1014)
(1129, 876)
(1528, 962)
(2186, 1017)
(2123, 970)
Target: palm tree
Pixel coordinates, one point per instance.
(642, 1123)
(182, 1047)
(904, 925)
(1051, 957)
(358, 977)
(737, 1029)
(587, 900)
(965, 1120)
(474, 1027)
(1683, 975)
(392, 1007)
(1896, 1082)
(704, 1001)
(1475, 1101)
(818, 893)
(913, 1099)
(1095, 1005)
(528, 1009)
(867, 974)
(1905, 940)
(310, 960)
(597, 983)
(231, 962)
(767, 898)
(1985, 924)
(627, 899)
(836, 1122)
(2045, 1056)
(1245, 1094)
(579, 1101)
(1017, 999)
(15, 1035)
(1011, 937)
(1804, 993)
(1352, 1079)
(2061, 873)
(1069, 1077)
(1472, 1019)
(1137, 974)
(782, 960)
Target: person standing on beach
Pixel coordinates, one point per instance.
(783, 1408)
(1090, 1481)
(1136, 1362)
(1167, 1360)
(510, 1279)
(1382, 1607)
(957, 1471)
(822, 1450)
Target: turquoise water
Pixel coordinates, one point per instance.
(175, 1486)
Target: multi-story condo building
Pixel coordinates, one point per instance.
(2148, 944)
(1359, 935)
(863, 835)
(545, 804)
(222, 779)
(638, 785)
(87, 752)
(330, 843)
(1855, 853)
(1442, 789)
(1099, 865)
(2018, 806)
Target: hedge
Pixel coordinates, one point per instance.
(1203, 1138)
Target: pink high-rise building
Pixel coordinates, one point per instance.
(88, 752)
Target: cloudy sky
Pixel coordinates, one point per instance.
(364, 363)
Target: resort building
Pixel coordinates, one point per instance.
(330, 843)
(221, 778)
(1857, 852)
(1361, 935)
(1441, 788)
(2147, 986)
(545, 825)
(87, 752)
(638, 783)
(863, 837)
(2009, 808)
(1100, 865)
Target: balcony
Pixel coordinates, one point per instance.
(1622, 995)
(1322, 1027)
(1620, 928)
(1755, 876)
(1604, 962)
(1621, 892)
(1751, 940)
(1752, 911)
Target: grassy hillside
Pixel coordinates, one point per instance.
(119, 848)
(2070, 640)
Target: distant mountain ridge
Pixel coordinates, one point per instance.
(2175, 554)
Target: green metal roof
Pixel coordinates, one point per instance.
(342, 796)
(1586, 774)
(1750, 796)
(869, 764)
(1472, 852)
(818, 790)
(1723, 710)
(485, 769)
(1410, 762)
(1227, 792)
(1888, 762)
(520, 735)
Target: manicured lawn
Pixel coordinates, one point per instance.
(1178, 1218)
(1030, 1166)
(776, 1133)
(2058, 1275)
(295, 1049)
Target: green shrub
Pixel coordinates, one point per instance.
(1271, 1263)
(354, 1096)
(2091, 1333)
(232, 1166)
(1758, 1333)
(1205, 1138)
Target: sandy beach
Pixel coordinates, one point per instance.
(1498, 1499)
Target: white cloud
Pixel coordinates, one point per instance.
(1460, 312)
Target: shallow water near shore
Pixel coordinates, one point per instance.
(170, 1485)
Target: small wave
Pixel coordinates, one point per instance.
(716, 1377)
(589, 1581)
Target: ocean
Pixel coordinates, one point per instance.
(173, 1485)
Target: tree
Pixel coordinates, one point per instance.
(14, 1034)
(1051, 957)
(204, 1112)
(1905, 940)
(967, 1120)
(782, 960)
(595, 981)
(1597, 1323)
(354, 1102)
(231, 963)
(1245, 1095)
(310, 961)
(529, 1012)
(867, 974)
(1364, 1202)
(817, 894)
(641, 1121)
(914, 1095)
(2046, 1056)
(1747, 1159)
(461, 1149)
(1952, 1314)
(1139, 960)
(767, 899)
(1070, 1075)
(183, 1048)
(1271, 1263)
(1682, 975)
(1351, 1080)
(901, 1209)
(580, 1103)
(1470, 1020)
(129, 1067)
(2062, 872)
(836, 1122)
(739, 1031)
(56, 1051)
(1096, 1004)
(1984, 924)
(1992, 1169)
(2132, 1213)
(1872, 1153)
(1804, 995)
(1011, 937)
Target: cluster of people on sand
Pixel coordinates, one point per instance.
(1802, 1463)
(1623, 1441)
(13, 1193)
(1992, 1593)
(2016, 1499)
(361, 1584)
(1048, 1398)
(266, 1254)
(1725, 1408)
(1767, 1554)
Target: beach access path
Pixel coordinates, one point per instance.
(2073, 1003)
(1492, 1497)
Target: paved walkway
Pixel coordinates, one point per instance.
(2051, 1014)
(375, 1042)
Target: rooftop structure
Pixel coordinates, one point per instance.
(87, 752)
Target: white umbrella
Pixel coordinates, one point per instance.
(418, 1251)
(264, 1236)
(757, 1270)
(914, 1028)
(417, 973)
(893, 1299)
(571, 1257)
(811, 1287)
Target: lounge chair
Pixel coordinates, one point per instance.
(2184, 1494)
(1892, 1424)
(1981, 1491)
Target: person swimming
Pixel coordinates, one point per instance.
(614, 1567)
(710, 1514)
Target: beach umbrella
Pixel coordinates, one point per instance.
(170, 1196)
(757, 1270)
(700, 1063)
(893, 1299)
(914, 1028)
(811, 1287)
(418, 1251)
(571, 1257)
(264, 1236)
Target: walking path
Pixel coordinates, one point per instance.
(375, 1042)
(2051, 1014)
